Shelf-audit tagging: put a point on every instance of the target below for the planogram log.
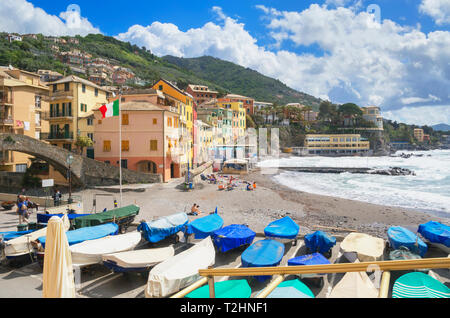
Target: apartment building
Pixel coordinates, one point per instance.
(201, 93)
(247, 102)
(373, 114)
(418, 134)
(340, 144)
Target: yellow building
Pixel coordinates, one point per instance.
(418, 134)
(239, 122)
(72, 100)
(340, 144)
(373, 114)
(184, 104)
(23, 98)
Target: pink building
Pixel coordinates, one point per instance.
(150, 138)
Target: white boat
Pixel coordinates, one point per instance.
(91, 252)
(138, 260)
(354, 285)
(22, 245)
(364, 247)
(180, 270)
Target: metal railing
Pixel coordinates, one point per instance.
(57, 135)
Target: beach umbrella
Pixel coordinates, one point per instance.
(58, 279)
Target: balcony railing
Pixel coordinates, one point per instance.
(56, 115)
(6, 121)
(57, 136)
(61, 94)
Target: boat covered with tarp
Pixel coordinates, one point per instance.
(137, 260)
(263, 253)
(91, 251)
(43, 217)
(437, 234)
(157, 230)
(122, 216)
(204, 226)
(401, 237)
(291, 289)
(181, 270)
(87, 233)
(319, 242)
(233, 236)
(13, 234)
(362, 246)
(284, 228)
(309, 259)
(236, 288)
(419, 285)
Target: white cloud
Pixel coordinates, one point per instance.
(439, 10)
(423, 115)
(23, 17)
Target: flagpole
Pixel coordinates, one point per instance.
(120, 148)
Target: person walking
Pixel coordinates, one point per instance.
(57, 198)
(22, 210)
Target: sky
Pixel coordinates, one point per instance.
(394, 54)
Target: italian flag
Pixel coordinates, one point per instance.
(110, 110)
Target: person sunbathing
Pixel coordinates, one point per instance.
(195, 210)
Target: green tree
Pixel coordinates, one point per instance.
(83, 142)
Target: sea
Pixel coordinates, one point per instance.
(428, 190)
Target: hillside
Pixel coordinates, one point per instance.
(41, 53)
(243, 81)
(441, 127)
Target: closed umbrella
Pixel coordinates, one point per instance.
(58, 280)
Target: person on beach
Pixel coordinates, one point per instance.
(254, 185)
(57, 198)
(249, 187)
(22, 210)
(195, 210)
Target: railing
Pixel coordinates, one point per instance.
(55, 115)
(57, 136)
(283, 271)
(6, 121)
(60, 93)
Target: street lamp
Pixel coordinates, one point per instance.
(69, 162)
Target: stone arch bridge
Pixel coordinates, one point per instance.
(85, 171)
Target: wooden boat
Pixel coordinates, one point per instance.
(284, 229)
(363, 247)
(180, 270)
(22, 245)
(401, 237)
(263, 253)
(354, 285)
(6, 236)
(419, 285)
(233, 236)
(137, 260)
(91, 251)
(205, 226)
(157, 230)
(236, 288)
(291, 289)
(436, 234)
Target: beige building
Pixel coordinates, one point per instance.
(23, 99)
(373, 114)
(340, 144)
(418, 134)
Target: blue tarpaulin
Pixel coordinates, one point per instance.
(43, 218)
(233, 236)
(310, 259)
(262, 254)
(14, 234)
(205, 226)
(436, 232)
(87, 233)
(399, 236)
(284, 228)
(157, 230)
(319, 242)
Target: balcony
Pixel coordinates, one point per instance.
(61, 95)
(6, 121)
(57, 136)
(56, 116)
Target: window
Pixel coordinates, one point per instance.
(90, 121)
(125, 119)
(153, 145)
(99, 121)
(55, 88)
(66, 87)
(107, 161)
(91, 136)
(83, 88)
(96, 92)
(21, 167)
(155, 121)
(107, 145)
(169, 121)
(125, 145)
(160, 87)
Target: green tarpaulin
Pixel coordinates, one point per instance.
(238, 288)
(119, 216)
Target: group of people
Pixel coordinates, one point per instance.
(195, 210)
(24, 206)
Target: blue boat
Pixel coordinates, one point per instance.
(400, 237)
(232, 236)
(43, 218)
(263, 253)
(157, 230)
(13, 234)
(310, 259)
(87, 233)
(284, 228)
(319, 242)
(205, 226)
(437, 233)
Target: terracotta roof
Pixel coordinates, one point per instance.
(73, 78)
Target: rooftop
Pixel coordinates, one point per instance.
(76, 79)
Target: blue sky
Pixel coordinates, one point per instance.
(332, 49)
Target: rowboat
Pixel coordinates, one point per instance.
(180, 270)
(13, 234)
(43, 218)
(122, 216)
(285, 229)
(437, 234)
(400, 237)
(310, 259)
(205, 226)
(419, 285)
(362, 246)
(22, 245)
(263, 253)
(236, 288)
(319, 242)
(137, 260)
(354, 285)
(291, 289)
(91, 251)
(233, 236)
(87, 233)
(157, 230)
